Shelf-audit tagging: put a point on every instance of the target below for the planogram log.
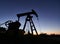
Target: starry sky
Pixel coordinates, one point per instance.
(47, 10)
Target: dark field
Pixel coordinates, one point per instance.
(19, 38)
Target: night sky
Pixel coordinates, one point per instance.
(48, 11)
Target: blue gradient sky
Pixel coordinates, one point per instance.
(48, 11)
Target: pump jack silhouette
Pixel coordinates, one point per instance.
(14, 26)
(29, 18)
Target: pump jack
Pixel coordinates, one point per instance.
(29, 18)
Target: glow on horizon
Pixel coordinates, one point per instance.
(48, 31)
